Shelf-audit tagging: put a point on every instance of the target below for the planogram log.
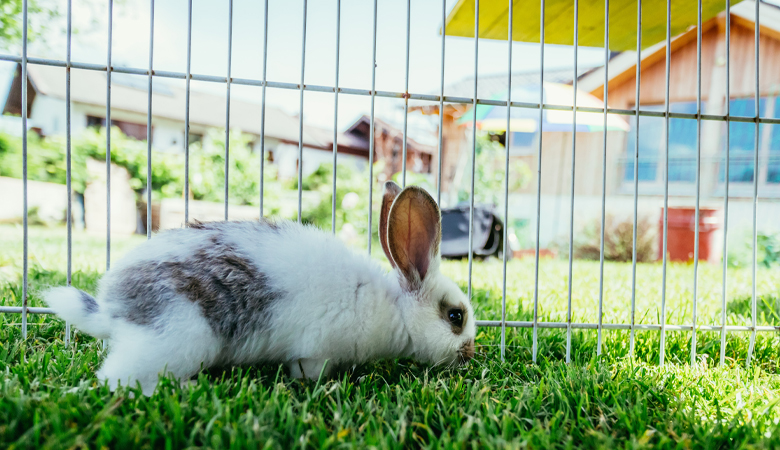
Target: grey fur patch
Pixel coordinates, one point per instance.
(232, 293)
(222, 225)
(90, 305)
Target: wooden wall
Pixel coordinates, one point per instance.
(683, 80)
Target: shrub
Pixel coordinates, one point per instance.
(618, 240)
(767, 254)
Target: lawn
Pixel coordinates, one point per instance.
(49, 397)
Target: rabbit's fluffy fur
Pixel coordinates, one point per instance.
(239, 293)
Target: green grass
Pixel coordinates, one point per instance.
(49, 397)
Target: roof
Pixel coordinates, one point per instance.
(128, 93)
(559, 21)
(625, 63)
(361, 129)
(490, 86)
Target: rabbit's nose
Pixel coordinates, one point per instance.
(466, 352)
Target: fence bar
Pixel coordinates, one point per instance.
(24, 167)
(474, 143)
(441, 97)
(336, 117)
(385, 94)
(262, 107)
(300, 114)
(371, 136)
(523, 324)
(603, 175)
(753, 311)
(406, 91)
(108, 135)
(573, 172)
(726, 192)
(698, 183)
(636, 174)
(539, 187)
(149, 127)
(507, 146)
(68, 159)
(666, 178)
(227, 106)
(187, 116)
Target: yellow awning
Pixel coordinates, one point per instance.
(559, 20)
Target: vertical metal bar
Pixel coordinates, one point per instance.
(507, 146)
(698, 182)
(262, 108)
(535, 346)
(636, 175)
(227, 106)
(68, 174)
(406, 90)
(726, 190)
(300, 115)
(474, 142)
(666, 178)
(573, 172)
(149, 126)
(753, 311)
(108, 135)
(187, 116)
(603, 177)
(24, 167)
(336, 117)
(441, 97)
(371, 137)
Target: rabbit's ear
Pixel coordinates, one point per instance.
(389, 193)
(414, 234)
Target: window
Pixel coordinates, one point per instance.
(133, 130)
(195, 138)
(652, 146)
(742, 143)
(682, 146)
(523, 143)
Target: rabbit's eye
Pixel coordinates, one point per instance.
(455, 316)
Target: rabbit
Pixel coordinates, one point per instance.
(250, 292)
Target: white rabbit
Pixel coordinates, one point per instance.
(238, 293)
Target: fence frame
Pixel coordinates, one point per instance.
(503, 323)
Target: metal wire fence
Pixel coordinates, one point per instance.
(441, 99)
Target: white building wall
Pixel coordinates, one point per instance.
(555, 213)
(286, 159)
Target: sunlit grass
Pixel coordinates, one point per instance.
(49, 396)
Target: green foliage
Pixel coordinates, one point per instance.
(489, 173)
(46, 161)
(351, 197)
(40, 13)
(767, 250)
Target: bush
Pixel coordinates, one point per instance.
(767, 254)
(618, 240)
(46, 161)
(351, 198)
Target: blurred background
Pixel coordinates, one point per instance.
(597, 157)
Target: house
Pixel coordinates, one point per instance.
(620, 145)
(46, 114)
(683, 132)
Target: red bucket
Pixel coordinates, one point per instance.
(682, 234)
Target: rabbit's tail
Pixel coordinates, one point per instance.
(81, 309)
